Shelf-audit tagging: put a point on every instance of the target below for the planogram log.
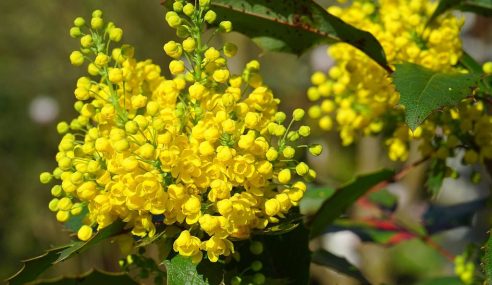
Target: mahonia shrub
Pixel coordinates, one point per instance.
(356, 96)
(205, 151)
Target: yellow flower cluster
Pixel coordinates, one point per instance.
(466, 126)
(464, 269)
(356, 94)
(205, 151)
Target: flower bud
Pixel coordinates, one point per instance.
(204, 3)
(76, 58)
(116, 34)
(97, 23)
(62, 127)
(173, 21)
(86, 41)
(280, 117)
(221, 75)
(188, 9)
(45, 177)
(97, 13)
(210, 17)
(230, 49)
(298, 114)
(271, 154)
(79, 22)
(84, 233)
(176, 67)
(284, 176)
(75, 32)
(115, 75)
(289, 152)
(487, 67)
(316, 149)
(189, 44)
(302, 168)
(225, 26)
(256, 265)
(177, 7)
(304, 131)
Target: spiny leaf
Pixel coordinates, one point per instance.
(75, 222)
(423, 91)
(314, 198)
(378, 231)
(33, 267)
(435, 176)
(181, 271)
(92, 277)
(80, 246)
(449, 280)
(334, 206)
(339, 264)
(293, 26)
(282, 260)
(487, 260)
(383, 198)
(483, 7)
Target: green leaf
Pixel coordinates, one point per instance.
(344, 197)
(294, 26)
(444, 5)
(339, 264)
(181, 271)
(487, 259)
(423, 91)
(314, 198)
(33, 267)
(286, 256)
(482, 7)
(80, 246)
(383, 198)
(468, 62)
(450, 280)
(93, 277)
(75, 222)
(435, 176)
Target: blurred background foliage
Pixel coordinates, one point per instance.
(36, 91)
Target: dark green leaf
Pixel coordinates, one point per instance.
(344, 197)
(75, 222)
(483, 7)
(314, 198)
(286, 256)
(339, 264)
(487, 259)
(93, 277)
(383, 198)
(80, 246)
(289, 223)
(444, 5)
(435, 176)
(473, 66)
(33, 267)
(423, 91)
(294, 26)
(381, 232)
(181, 271)
(451, 280)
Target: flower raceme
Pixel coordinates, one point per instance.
(356, 94)
(205, 151)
